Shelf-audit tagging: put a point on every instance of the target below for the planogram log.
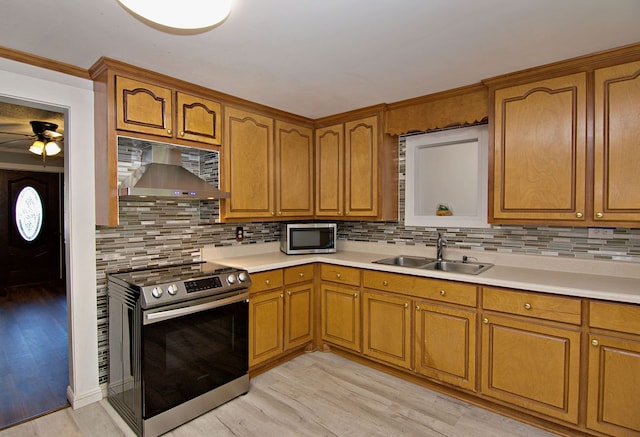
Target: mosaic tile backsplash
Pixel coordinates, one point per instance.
(165, 232)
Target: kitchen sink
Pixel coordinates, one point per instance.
(468, 268)
(406, 261)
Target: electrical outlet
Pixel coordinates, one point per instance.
(600, 232)
(239, 233)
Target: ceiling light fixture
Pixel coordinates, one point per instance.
(183, 14)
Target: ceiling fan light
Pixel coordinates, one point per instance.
(52, 148)
(37, 147)
(186, 14)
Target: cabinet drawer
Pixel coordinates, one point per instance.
(266, 280)
(615, 316)
(293, 275)
(556, 308)
(340, 274)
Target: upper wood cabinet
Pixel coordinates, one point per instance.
(294, 170)
(563, 149)
(617, 151)
(540, 150)
(248, 165)
(356, 171)
(149, 109)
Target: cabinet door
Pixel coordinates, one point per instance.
(617, 154)
(265, 330)
(198, 119)
(539, 151)
(294, 170)
(340, 316)
(298, 316)
(386, 328)
(361, 167)
(330, 171)
(531, 365)
(249, 163)
(446, 344)
(614, 386)
(143, 107)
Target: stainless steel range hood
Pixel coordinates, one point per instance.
(162, 176)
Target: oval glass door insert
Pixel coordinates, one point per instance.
(29, 213)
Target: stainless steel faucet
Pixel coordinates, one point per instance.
(440, 243)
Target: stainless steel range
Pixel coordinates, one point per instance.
(178, 343)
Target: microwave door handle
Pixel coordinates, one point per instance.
(159, 316)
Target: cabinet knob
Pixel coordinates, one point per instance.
(406, 305)
(301, 274)
(594, 342)
(442, 292)
(267, 281)
(579, 214)
(279, 212)
(182, 133)
(599, 215)
(417, 307)
(169, 131)
(338, 275)
(289, 293)
(346, 213)
(355, 294)
(527, 306)
(485, 320)
(281, 295)
(385, 283)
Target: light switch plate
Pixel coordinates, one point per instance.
(600, 232)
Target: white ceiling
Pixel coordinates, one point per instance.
(321, 57)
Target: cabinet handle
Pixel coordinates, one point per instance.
(169, 131)
(182, 133)
(338, 275)
(281, 295)
(579, 214)
(594, 342)
(355, 294)
(301, 274)
(289, 293)
(485, 320)
(417, 307)
(406, 305)
(442, 292)
(267, 281)
(385, 283)
(599, 215)
(527, 306)
(346, 213)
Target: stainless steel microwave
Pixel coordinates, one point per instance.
(301, 238)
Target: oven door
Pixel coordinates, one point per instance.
(190, 350)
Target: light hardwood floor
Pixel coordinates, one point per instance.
(316, 394)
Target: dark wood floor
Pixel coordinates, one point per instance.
(34, 369)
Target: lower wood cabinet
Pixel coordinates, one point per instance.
(532, 365)
(280, 315)
(341, 315)
(386, 328)
(613, 398)
(445, 343)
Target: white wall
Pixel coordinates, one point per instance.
(75, 96)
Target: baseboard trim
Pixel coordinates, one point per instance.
(84, 399)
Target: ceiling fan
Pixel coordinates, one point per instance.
(45, 138)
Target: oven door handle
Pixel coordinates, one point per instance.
(178, 312)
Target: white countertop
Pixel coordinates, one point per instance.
(607, 280)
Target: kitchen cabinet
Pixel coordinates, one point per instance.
(294, 170)
(613, 368)
(531, 351)
(616, 152)
(539, 151)
(386, 328)
(445, 325)
(340, 306)
(146, 108)
(356, 170)
(280, 312)
(249, 165)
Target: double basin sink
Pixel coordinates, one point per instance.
(418, 262)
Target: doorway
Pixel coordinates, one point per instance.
(34, 347)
